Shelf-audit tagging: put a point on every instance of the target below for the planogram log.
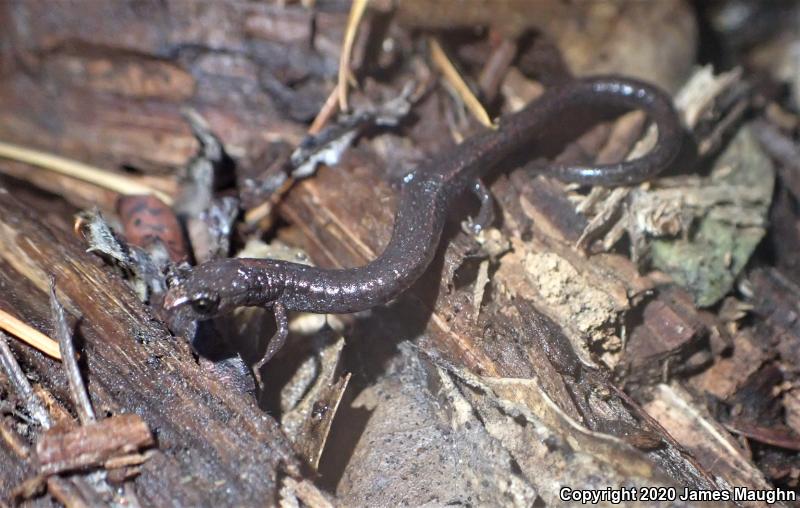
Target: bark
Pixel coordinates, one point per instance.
(214, 445)
(529, 337)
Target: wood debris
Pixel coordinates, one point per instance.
(643, 336)
(99, 444)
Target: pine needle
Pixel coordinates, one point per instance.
(79, 171)
(29, 335)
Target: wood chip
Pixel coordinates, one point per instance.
(89, 446)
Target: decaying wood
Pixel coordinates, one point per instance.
(137, 366)
(519, 345)
(92, 445)
(69, 359)
(774, 298)
(21, 386)
(316, 202)
(586, 51)
(671, 338)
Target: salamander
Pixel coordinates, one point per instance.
(426, 193)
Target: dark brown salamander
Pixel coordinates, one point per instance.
(218, 287)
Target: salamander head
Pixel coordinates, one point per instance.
(218, 287)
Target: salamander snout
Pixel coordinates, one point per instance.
(202, 303)
(206, 291)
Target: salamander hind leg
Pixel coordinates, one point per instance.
(275, 343)
(485, 217)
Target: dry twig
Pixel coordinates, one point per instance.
(32, 403)
(76, 386)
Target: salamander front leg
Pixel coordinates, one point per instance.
(485, 216)
(275, 343)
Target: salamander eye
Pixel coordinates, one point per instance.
(205, 303)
